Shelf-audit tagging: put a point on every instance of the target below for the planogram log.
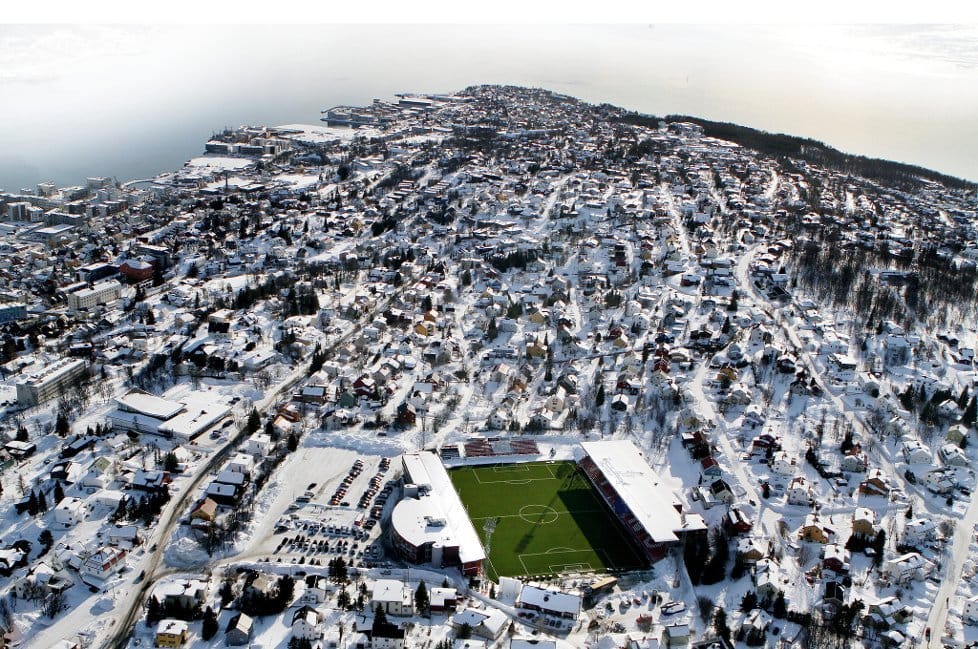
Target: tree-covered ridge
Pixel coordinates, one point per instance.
(780, 145)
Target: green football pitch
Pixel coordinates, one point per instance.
(542, 518)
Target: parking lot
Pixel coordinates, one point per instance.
(338, 517)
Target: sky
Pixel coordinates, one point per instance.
(87, 97)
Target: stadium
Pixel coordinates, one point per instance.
(514, 514)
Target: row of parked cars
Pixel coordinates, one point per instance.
(340, 492)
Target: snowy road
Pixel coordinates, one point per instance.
(964, 529)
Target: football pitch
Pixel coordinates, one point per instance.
(542, 518)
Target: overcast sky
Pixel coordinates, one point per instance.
(129, 100)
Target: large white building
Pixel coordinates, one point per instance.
(101, 293)
(649, 511)
(51, 381)
(143, 412)
(430, 525)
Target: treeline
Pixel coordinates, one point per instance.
(780, 145)
(836, 274)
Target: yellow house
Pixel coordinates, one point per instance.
(814, 531)
(536, 350)
(538, 317)
(171, 633)
(207, 511)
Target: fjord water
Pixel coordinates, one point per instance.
(130, 101)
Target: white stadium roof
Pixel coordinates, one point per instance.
(638, 486)
(438, 515)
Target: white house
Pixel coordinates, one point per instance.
(919, 531)
(842, 368)
(952, 455)
(970, 613)
(70, 512)
(784, 464)
(307, 624)
(394, 596)
(550, 602)
(799, 492)
(907, 567)
(103, 563)
(489, 623)
(123, 536)
(914, 452)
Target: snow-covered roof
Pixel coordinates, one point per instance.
(147, 404)
(638, 486)
(437, 516)
(550, 599)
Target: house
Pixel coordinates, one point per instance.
(835, 558)
(970, 612)
(799, 492)
(187, 594)
(864, 522)
(886, 613)
(442, 599)
(70, 512)
(394, 596)
(956, 434)
(855, 461)
(769, 579)
(103, 563)
(676, 635)
(814, 531)
(834, 594)
(784, 464)
(875, 484)
(756, 623)
(914, 452)
(709, 469)
(737, 522)
(206, 511)
(307, 624)
(121, 536)
(317, 587)
(263, 585)
(238, 631)
(42, 579)
(953, 455)
(907, 567)
(752, 550)
(386, 636)
(171, 633)
(721, 492)
(919, 531)
(938, 481)
(489, 623)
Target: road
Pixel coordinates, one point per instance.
(172, 513)
(964, 530)
(175, 509)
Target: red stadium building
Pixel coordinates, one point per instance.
(650, 512)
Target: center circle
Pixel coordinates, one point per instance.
(538, 514)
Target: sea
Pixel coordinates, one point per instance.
(133, 101)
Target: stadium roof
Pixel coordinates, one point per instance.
(438, 514)
(638, 486)
(148, 404)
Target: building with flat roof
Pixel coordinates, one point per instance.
(649, 511)
(51, 381)
(101, 293)
(143, 412)
(430, 525)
